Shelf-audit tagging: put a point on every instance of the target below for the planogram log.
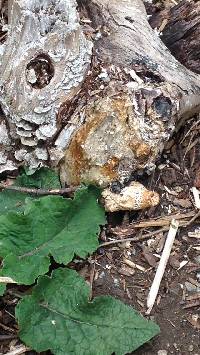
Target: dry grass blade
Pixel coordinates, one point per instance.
(18, 350)
(7, 280)
(196, 194)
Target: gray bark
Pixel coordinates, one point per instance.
(101, 115)
(43, 64)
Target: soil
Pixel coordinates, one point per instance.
(177, 308)
(180, 326)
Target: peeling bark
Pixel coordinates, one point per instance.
(104, 115)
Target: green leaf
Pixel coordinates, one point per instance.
(44, 178)
(51, 225)
(59, 317)
(2, 289)
(11, 201)
(15, 201)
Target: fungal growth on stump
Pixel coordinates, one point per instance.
(90, 88)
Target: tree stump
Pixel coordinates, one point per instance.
(88, 87)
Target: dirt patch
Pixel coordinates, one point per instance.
(177, 309)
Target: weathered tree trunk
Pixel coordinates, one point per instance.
(99, 98)
(181, 31)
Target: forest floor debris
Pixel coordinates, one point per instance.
(141, 239)
(131, 247)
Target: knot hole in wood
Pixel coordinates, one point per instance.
(40, 71)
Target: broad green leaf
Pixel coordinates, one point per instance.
(44, 178)
(11, 201)
(15, 201)
(2, 289)
(59, 317)
(51, 225)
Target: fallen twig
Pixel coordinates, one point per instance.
(8, 329)
(189, 131)
(8, 337)
(133, 239)
(133, 265)
(162, 265)
(184, 220)
(165, 222)
(197, 215)
(195, 303)
(193, 297)
(92, 274)
(40, 192)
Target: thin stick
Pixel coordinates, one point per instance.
(162, 265)
(40, 192)
(192, 304)
(92, 274)
(15, 293)
(150, 234)
(134, 239)
(5, 327)
(8, 337)
(189, 131)
(157, 222)
(192, 219)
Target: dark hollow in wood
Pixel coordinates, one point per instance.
(43, 70)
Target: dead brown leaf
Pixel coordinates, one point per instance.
(149, 257)
(194, 320)
(184, 203)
